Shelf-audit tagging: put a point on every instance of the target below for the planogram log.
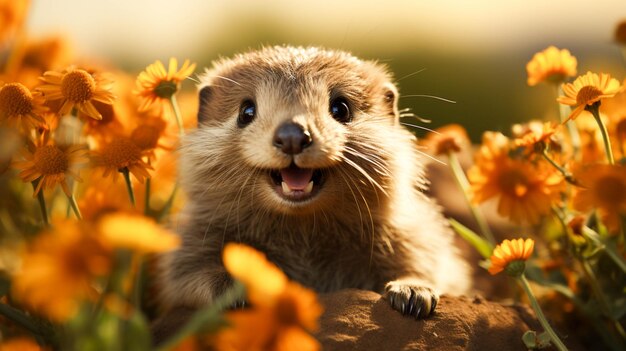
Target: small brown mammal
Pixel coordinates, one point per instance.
(299, 153)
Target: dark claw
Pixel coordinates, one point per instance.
(391, 300)
(417, 313)
(412, 303)
(403, 308)
(433, 305)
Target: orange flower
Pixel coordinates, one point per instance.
(21, 344)
(121, 153)
(552, 65)
(263, 283)
(587, 90)
(52, 164)
(147, 136)
(101, 199)
(137, 233)
(58, 269)
(450, 138)
(282, 313)
(604, 188)
(76, 88)
(20, 108)
(525, 190)
(155, 83)
(510, 251)
(536, 136)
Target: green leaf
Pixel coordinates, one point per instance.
(137, 333)
(480, 244)
(530, 339)
(543, 340)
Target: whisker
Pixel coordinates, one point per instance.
(356, 202)
(419, 118)
(193, 79)
(364, 173)
(420, 127)
(432, 158)
(429, 96)
(412, 74)
(228, 79)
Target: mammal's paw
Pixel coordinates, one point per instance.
(411, 299)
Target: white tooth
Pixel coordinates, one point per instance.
(308, 188)
(286, 189)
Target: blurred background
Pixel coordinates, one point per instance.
(471, 52)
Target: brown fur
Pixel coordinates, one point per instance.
(369, 225)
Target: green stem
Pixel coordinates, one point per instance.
(566, 174)
(168, 204)
(177, 114)
(20, 318)
(595, 287)
(206, 318)
(594, 109)
(146, 205)
(464, 185)
(74, 205)
(138, 291)
(571, 126)
(129, 185)
(542, 318)
(557, 213)
(42, 203)
(595, 238)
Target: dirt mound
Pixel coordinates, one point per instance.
(361, 320)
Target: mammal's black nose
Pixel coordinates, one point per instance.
(292, 138)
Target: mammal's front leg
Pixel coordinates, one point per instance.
(411, 297)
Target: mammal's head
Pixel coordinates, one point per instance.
(294, 129)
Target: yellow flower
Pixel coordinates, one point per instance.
(602, 187)
(155, 83)
(449, 138)
(105, 127)
(264, 282)
(76, 88)
(21, 108)
(101, 199)
(525, 190)
(261, 330)
(536, 136)
(121, 153)
(587, 90)
(137, 233)
(21, 344)
(510, 251)
(282, 315)
(147, 136)
(551, 65)
(52, 164)
(58, 270)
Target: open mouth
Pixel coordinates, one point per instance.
(296, 184)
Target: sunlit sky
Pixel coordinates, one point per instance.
(467, 51)
(154, 28)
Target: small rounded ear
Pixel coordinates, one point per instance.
(205, 96)
(390, 96)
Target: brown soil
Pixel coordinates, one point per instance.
(362, 320)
